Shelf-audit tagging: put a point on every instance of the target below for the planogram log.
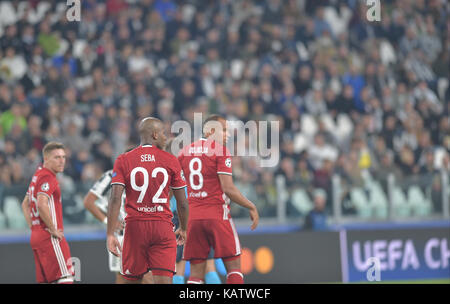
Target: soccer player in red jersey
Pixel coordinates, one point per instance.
(145, 174)
(96, 202)
(208, 170)
(42, 209)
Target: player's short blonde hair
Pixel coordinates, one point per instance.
(50, 146)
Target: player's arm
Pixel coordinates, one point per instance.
(113, 215)
(182, 212)
(44, 214)
(89, 204)
(26, 210)
(182, 207)
(228, 187)
(178, 189)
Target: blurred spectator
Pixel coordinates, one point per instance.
(316, 218)
(11, 36)
(345, 102)
(315, 104)
(5, 98)
(406, 163)
(357, 82)
(47, 40)
(321, 151)
(20, 139)
(322, 176)
(267, 194)
(103, 152)
(13, 117)
(166, 9)
(34, 133)
(30, 163)
(73, 139)
(12, 66)
(353, 171)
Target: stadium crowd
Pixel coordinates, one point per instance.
(351, 96)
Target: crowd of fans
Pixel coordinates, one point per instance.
(350, 95)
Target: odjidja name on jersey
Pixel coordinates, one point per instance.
(227, 293)
(150, 209)
(198, 150)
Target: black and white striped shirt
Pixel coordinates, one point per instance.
(101, 189)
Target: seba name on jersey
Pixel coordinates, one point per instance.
(147, 158)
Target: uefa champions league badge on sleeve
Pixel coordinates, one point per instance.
(45, 187)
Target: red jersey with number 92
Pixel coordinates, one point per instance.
(147, 173)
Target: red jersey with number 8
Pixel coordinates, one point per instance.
(202, 162)
(147, 173)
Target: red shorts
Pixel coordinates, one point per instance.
(52, 258)
(148, 245)
(204, 234)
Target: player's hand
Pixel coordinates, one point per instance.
(56, 233)
(181, 236)
(120, 226)
(254, 216)
(113, 245)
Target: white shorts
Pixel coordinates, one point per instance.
(114, 262)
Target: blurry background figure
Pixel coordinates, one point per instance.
(317, 218)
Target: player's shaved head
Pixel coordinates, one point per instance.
(151, 131)
(149, 125)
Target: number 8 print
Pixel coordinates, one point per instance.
(197, 172)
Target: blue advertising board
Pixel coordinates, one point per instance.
(404, 254)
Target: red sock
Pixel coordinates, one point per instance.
(193, 280)
(235, 277)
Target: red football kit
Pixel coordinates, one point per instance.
(149, 243)
(210, 224)
(52, 256)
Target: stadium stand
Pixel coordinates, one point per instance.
(353, 98)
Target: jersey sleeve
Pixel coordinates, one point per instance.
(118, 176)
(224, 163)
(46, 185)
(178, 179)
